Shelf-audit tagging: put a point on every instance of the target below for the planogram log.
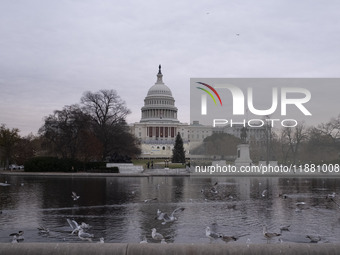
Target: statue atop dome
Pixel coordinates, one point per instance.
(159, 75)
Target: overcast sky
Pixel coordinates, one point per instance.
(52, 51)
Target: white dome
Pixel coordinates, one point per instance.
(159, 104)
(159, 89)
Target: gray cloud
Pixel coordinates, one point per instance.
(53, 51)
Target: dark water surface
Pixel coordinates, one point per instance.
(114, 207)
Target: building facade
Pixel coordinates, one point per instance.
(159, 125)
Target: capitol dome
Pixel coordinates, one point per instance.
(159, 104)
(159, 89)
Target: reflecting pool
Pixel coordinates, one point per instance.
(123, 209)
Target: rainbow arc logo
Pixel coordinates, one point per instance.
(209, 93)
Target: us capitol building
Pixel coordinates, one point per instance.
(158, 127)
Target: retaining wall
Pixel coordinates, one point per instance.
(165, 249)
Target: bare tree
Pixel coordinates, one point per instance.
(291, 139)
(105, 107)
(331, 129)
(108, 113)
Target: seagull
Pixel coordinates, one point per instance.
(84, 225)
(43, 230)
(160, 215)
(171, 218)
(300, 206)
(101, 240)
(156, 236)
(18, 236)
(313, 239)
(4, 184)
(148, 200)
(231, 238)
(144, 240)
(269, 235)
(85, 236)
(284, 196)
(163, 241)
(74, 225)
(331, 195)
(212, 235)
(14, 240)
(74, 196)
(213, 190)
(284, 228)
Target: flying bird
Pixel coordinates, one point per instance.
(74, 196)
(18, 236)
(168, 218)
(85, 236)
(76, 227)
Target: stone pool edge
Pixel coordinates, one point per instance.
(172, 172)
(160, 249)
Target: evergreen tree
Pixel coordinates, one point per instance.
(178, 153)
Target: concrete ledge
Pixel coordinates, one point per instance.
(62, 248)
(85, 174)
(165, 249)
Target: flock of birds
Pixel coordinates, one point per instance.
(213, 236)
(81, 229)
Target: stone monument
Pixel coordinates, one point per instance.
(243, 156)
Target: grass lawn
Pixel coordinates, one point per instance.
(159, 162)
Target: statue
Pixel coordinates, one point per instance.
(244, 134)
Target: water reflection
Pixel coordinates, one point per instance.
(115, 208)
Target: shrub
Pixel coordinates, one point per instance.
(51, 164)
